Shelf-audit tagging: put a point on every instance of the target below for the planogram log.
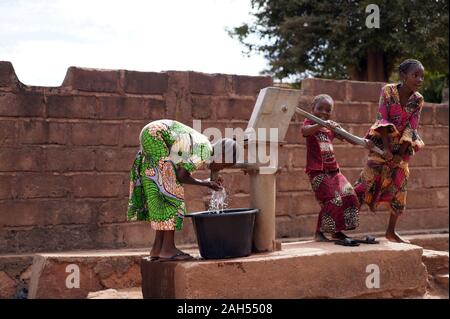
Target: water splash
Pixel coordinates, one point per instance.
(218, 201)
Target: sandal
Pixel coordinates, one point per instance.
(346, 242)
(177, 257)
(368, 240)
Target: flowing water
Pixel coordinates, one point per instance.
(218, 201)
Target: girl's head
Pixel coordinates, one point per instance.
(411, 74)
(322, 106)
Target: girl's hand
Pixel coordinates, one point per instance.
(333, 124)
(214, 185)
(369, 144)
(387, 155)
(397, 159)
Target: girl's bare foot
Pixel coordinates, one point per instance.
(320, 237)
(395, 237)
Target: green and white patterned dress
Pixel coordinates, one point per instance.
(155, 193)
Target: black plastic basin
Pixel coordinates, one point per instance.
(227, 234)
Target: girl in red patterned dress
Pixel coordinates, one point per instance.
(338, 201)
(384, 178)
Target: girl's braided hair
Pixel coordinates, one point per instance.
(407, 64)
(318, 98)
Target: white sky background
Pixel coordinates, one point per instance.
(43, 38)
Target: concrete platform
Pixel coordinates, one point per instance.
(299, 270)
(97, 270)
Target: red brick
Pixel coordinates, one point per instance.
(442, 197)
(239, 201)
(240, 183)
(136, 234)
(8, 133)
(358, 130)
(422, 198)
(352, 112)
(422, 158)
(7, 75)
(195, 192)
(92, 80)
(33, 131)
(59, 132)
(364, 91)
(99, 185)
(305, 203)
(434, 135)
(95, 134)
(293, 181)
(24, 159)
(429, 177)
(355, 156)
(442, 114)
(195, 205)
(113, 211)
(112, 107)
(298, 157)
(441, 155)
(300, 226)
(201, 107)
(294, 135)
(283, 205)
(250, 85)
(305, 104)
(23, 104)
(146, 82)
(285, 157)
(70, 106)
(67, 159)
(119, 160)
(315, 86)
(42, 186)
(130, 135)
(156, 108)
(43, 213)
(6, 184)
(208, 84)
(427, 115)
(234, 108)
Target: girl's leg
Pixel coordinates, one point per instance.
(319, 236)
(157, 244)
(168, 248)
(391, 234)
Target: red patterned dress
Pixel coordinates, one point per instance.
(385, 182)
(338, 201)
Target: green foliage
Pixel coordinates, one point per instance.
(329, 39)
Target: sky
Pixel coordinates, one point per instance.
(43, 38)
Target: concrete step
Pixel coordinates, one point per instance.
(435, 261)
(119, 269)
(442, 280)
(131, 293)
(299, 270)
(430, 241)
(76, 274)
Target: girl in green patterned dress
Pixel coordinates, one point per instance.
(170, 152)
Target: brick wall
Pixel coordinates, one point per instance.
(65, 154)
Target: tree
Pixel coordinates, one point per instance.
(330, 38)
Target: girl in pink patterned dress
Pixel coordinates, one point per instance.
(338, 201)
(385, 177)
